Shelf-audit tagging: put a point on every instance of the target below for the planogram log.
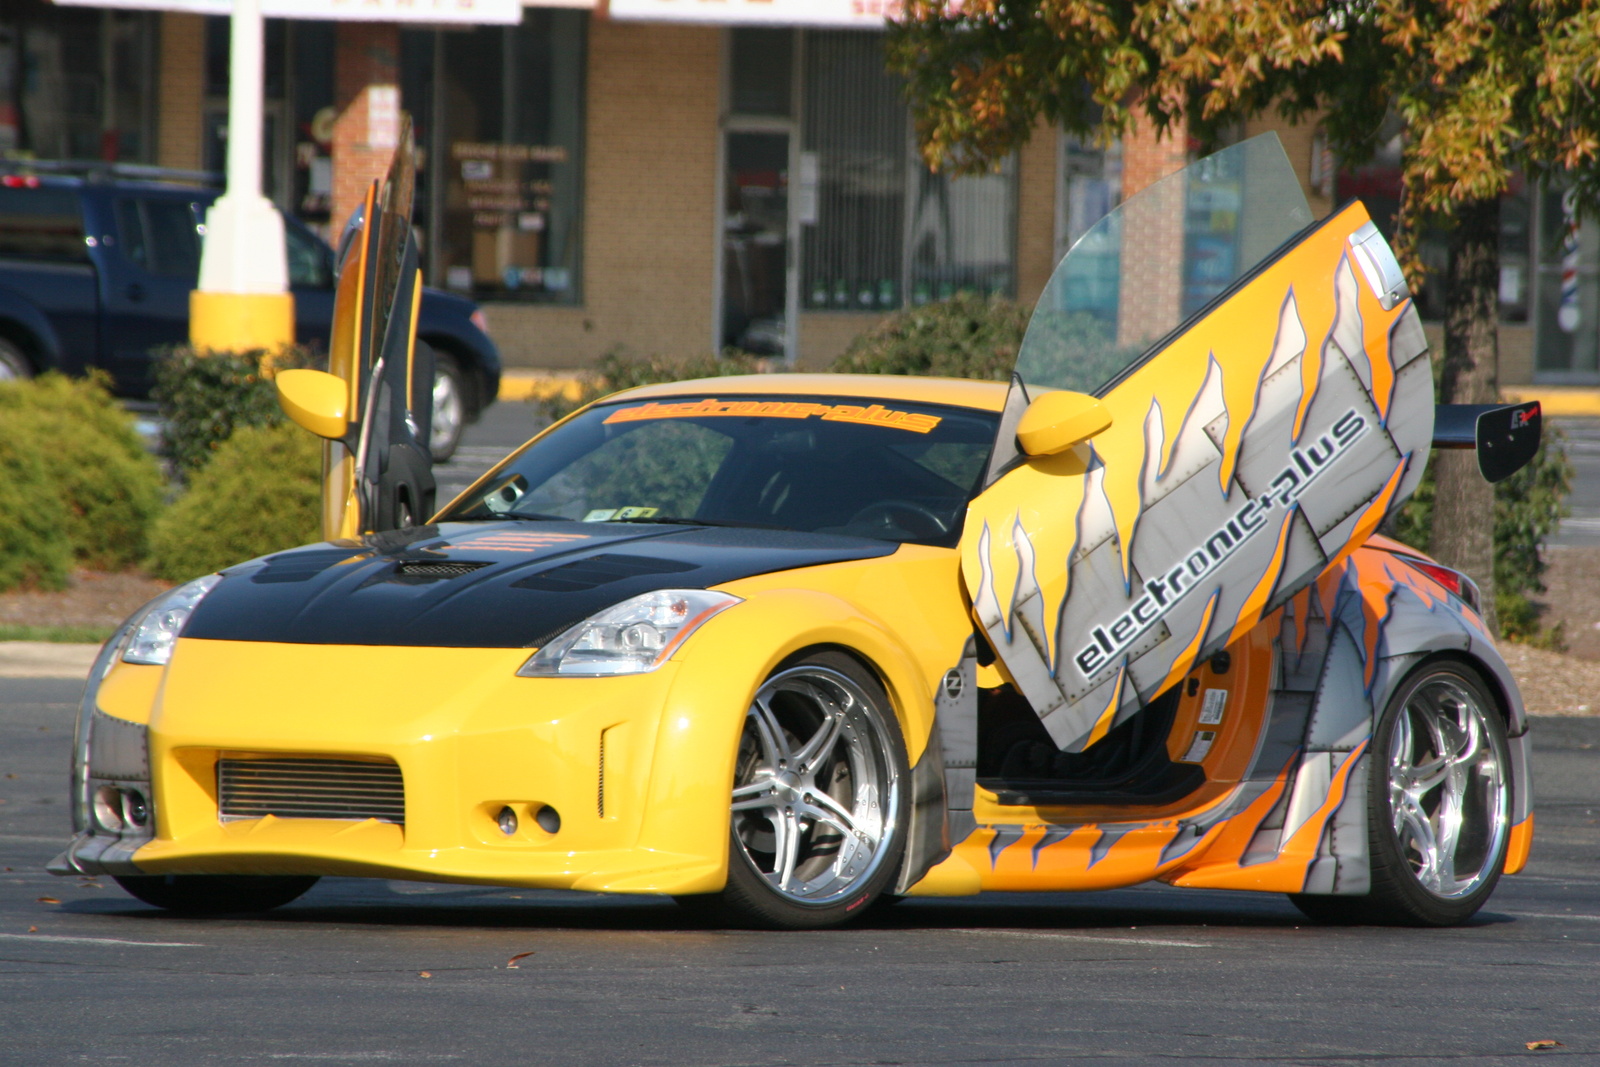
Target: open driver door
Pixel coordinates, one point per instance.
(1250, 399)
(373, 406)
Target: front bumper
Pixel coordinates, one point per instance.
(636, 767)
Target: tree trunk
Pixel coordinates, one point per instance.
(1463, 508)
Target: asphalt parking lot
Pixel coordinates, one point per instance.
(371, 972)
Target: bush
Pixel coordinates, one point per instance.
(617, 371)
(1527, 508)
(261, 492)
(110, 488)
(205, 397)
(35, 551)
(967, 336)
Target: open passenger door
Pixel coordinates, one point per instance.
(1269, 405)
(376, 418)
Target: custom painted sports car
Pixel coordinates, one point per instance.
(785, 644)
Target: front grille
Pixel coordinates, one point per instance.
(310, 789)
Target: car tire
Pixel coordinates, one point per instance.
(820, 809)
(216, 894)
(14, 364)
(1439, 761)
(449, 406)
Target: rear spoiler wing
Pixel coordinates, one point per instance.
(1505, 435)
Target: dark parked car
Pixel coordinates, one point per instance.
(96, 270)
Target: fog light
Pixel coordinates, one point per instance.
(135, 807)
(108, 808)
(549, 819)
(508, 821)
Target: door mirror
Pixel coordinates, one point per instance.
(315, 400)
(1060, 420)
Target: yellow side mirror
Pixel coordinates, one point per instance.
(315, 400)
(1057, 421)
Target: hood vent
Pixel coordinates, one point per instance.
(600, 570)
(412, 571)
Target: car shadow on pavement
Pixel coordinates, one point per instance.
(352, 902)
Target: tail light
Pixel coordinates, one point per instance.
(1458, 583)
(19, 181)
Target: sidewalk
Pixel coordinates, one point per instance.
(43, 659)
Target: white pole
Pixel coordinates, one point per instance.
(244, 250)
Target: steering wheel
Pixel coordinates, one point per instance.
(890, 516)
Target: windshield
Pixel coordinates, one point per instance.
(888, 470)
(1157, 259)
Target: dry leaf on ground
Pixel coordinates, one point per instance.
(47, 900)
(511, 964)
(424, 974)
(1534, 1046)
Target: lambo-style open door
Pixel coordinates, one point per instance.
(1270, 403)
(377, 471)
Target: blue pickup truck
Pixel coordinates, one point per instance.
(96, 270)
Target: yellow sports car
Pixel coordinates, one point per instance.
(786, 644)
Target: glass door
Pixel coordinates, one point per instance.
(756, 242)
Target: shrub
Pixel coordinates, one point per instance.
(204, 397)
(110, 488)
(261, 492)
(966, 336)
(35, 551)
(618, 370)
(1527, 508)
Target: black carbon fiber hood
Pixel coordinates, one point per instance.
(489, 585)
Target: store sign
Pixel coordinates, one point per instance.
(857, 13)
(508, 12)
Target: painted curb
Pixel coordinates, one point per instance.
(524, 385)
(1557, 400)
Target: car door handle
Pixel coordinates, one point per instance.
(135, 291)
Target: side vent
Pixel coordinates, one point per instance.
(600, 792)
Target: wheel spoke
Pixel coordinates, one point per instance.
(755, 796)
(770, 731)
(821, 743)
(826, 809)
(787, 829)
(1415, 821)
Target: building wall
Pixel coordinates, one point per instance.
(180, 90)
(1036, 212)
(649, 255)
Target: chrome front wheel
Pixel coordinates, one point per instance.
(818, 801)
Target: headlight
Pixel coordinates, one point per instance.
(157, 633)
(632, 637)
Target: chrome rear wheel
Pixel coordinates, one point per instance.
(1449, 792)
(1438, 804)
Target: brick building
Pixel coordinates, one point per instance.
(675, 187)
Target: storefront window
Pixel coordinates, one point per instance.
(1567, 325)
(504, 137)
(77, 83)
(880, 230)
